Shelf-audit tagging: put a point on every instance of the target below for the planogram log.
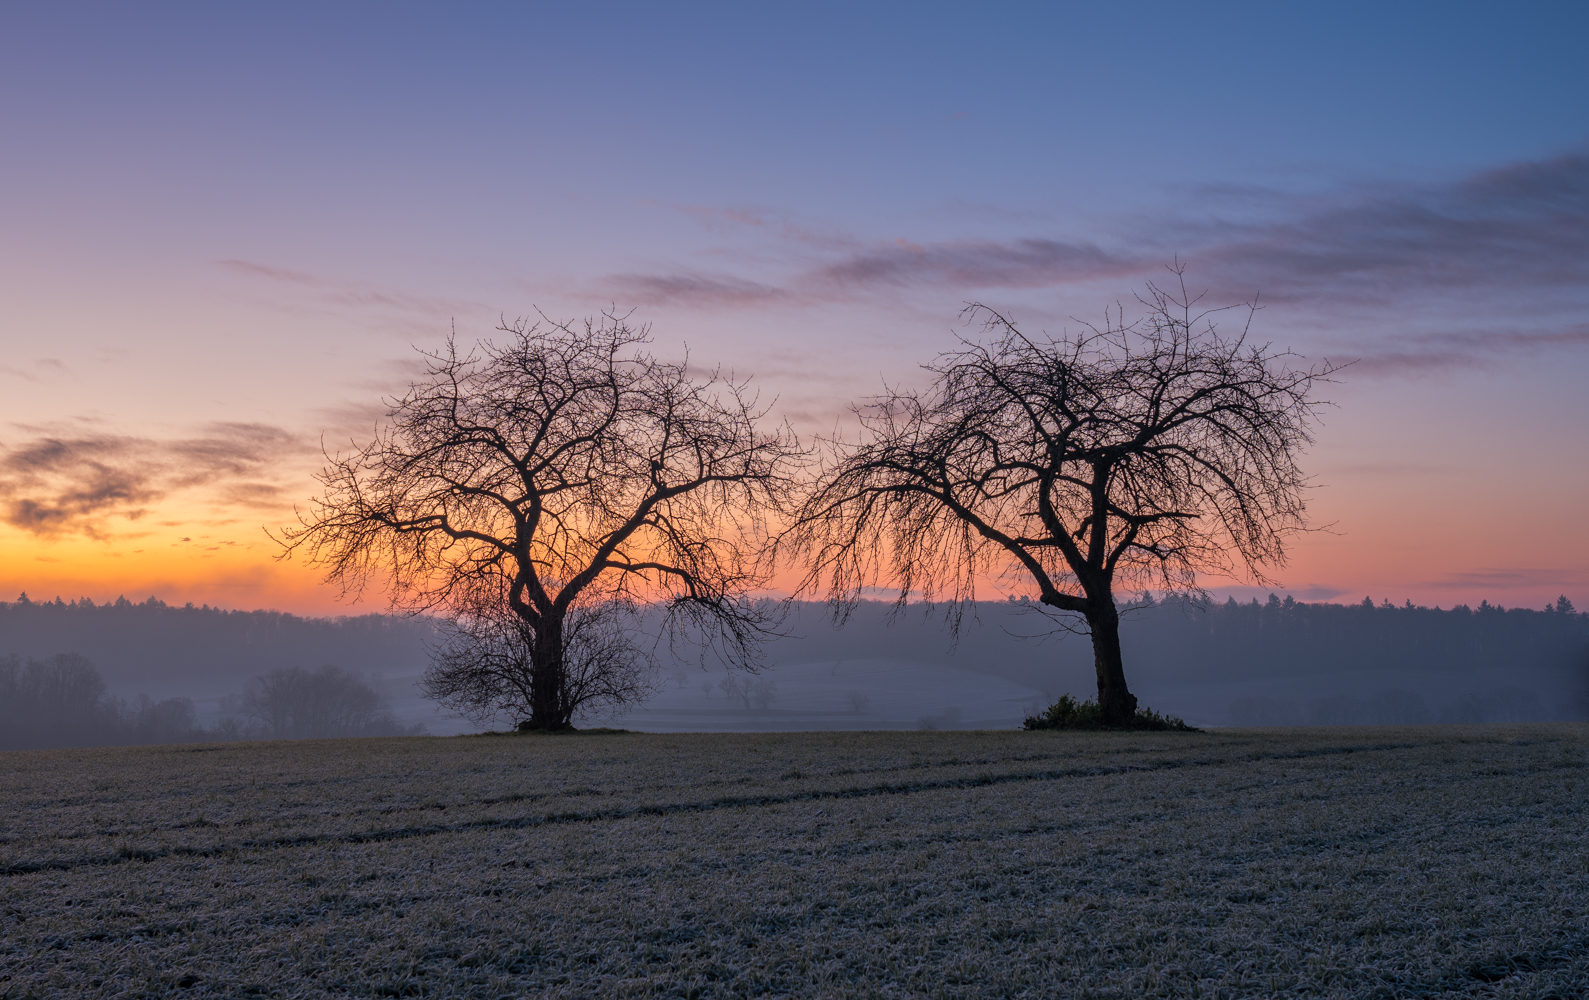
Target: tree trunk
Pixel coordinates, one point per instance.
(1119, 705)
(548, 688)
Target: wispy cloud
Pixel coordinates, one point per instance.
(976, 264)
(276, 273)
(73, 483)
(1524, 226)
(41, 367)
(350, 294)
(1510, 577)
(1317, 592)
(885, 269)
(1419, 354)
(729, 220)
(1424, 277)
(690, 289)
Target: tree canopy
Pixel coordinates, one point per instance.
(560, 470)
(1136, 454)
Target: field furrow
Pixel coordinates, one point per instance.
(1433, 861)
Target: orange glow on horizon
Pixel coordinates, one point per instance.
(1399, 539)
(221, 572)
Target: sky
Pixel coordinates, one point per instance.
(225, 230)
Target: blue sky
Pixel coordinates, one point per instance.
(230, 224)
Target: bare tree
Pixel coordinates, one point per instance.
(560, 470)
(484, 665)
(292, 703)
(57, 701)
(1133, 455)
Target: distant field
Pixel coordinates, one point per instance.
(1418, 862)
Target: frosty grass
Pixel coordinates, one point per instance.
(1416, 862)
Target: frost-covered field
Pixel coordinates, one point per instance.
(866, 694)
(855, 693)
(1346, 862)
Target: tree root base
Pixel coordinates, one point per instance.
(534, 727)
(1068, 713)
(525, 729)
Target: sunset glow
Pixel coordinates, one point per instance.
(227, 230)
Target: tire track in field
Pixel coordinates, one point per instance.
(127, 854)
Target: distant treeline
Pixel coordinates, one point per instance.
(60, 701)
(1234, 640)
(1270, 662)
(1208, 640)
(203, 651)
(1406, 664)
(1274, 662)
(1218, 640)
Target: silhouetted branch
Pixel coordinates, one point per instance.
(1135, 454)
(562, 470)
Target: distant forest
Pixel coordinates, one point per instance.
(61, 701)
(1229, 640)
(201, 651)
(1279, 662)
(76, 673)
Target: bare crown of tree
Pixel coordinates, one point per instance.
(1135, 454)
(563, 468)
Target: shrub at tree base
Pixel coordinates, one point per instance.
(526, 729)
(1068, 713)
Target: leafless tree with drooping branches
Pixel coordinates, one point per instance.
(1132, 455)
(549, 476)
(483, 664)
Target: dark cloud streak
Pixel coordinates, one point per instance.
(59, 484)
(1522, 228)
(1422, 277)
(1425, 354)
(692, 290)
(974, 264)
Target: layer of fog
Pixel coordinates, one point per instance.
(1276, 664)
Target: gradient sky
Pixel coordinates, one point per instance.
(224, 229)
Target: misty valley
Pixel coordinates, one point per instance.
(80, 674)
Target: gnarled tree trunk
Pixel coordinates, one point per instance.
(1119, 705)
(549, 708)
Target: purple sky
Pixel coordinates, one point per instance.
(224, 229)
